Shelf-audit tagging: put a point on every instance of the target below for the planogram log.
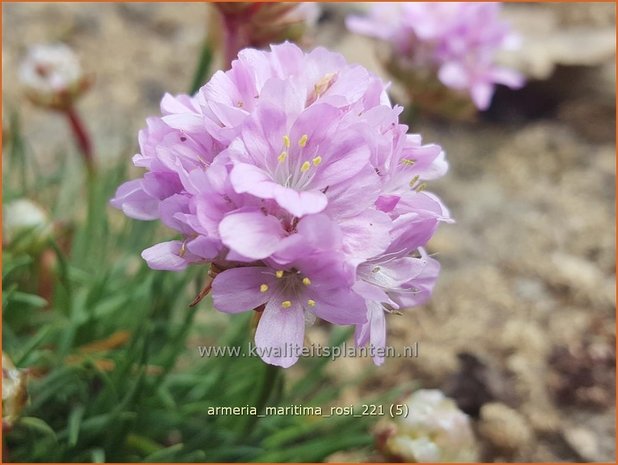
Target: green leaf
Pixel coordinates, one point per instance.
(39, 425)
(31, 300)
(167, 454)
(75, 420)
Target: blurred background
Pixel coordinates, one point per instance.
(520, 331)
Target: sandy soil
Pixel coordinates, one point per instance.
(524, 312)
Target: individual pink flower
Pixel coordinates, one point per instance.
(291, 175)
(404, 275)
(317, 285)
(454, 42)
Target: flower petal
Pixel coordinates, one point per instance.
(338, 306)
(238, 289)
(377, 332)
(250, 179)
(280, 333)
(205, 247)
(166, 256)
(251, 233)
(135, 202)
(301, 203)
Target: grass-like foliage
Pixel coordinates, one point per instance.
(114, 371)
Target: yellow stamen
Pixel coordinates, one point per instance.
(305, 166)
(183, 249)
(282, 157)
(303, 140)
(317, 160)
(263, 287)
(279, 274)
(407, 161)
(414, 179)
(286, 304)
(421, 187)
(324, 83)
(311, 303)
(286, 141)
(306, 281)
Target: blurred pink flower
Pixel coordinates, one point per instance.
(456, 41)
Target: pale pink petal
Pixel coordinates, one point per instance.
(166, 256)
(300, 203)
(135, 202)
(251, 233)
(280, 333)
(377, 332)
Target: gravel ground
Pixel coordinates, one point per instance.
(521, 330)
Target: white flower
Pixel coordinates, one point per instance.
(14, 394)
(25, 225)
(52, 74)
(434, 430)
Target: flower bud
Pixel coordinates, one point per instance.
(25, 227)
(258, 25)
(434, 430)
(52, 76)
(14, 393)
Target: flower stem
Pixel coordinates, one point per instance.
(203, 67)
(213, 271)
(272, 375)
(82, 138)
(232, 42)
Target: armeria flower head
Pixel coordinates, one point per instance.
(26, 227)
(434, 430)
(454, 43)
(285, 172)
(52, 76)
(14, 391)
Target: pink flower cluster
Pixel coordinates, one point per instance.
(291, 173)
(456, 40)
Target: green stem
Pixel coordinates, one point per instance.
(203, 66)
(271, 375)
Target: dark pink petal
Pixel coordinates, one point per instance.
(387, 203)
